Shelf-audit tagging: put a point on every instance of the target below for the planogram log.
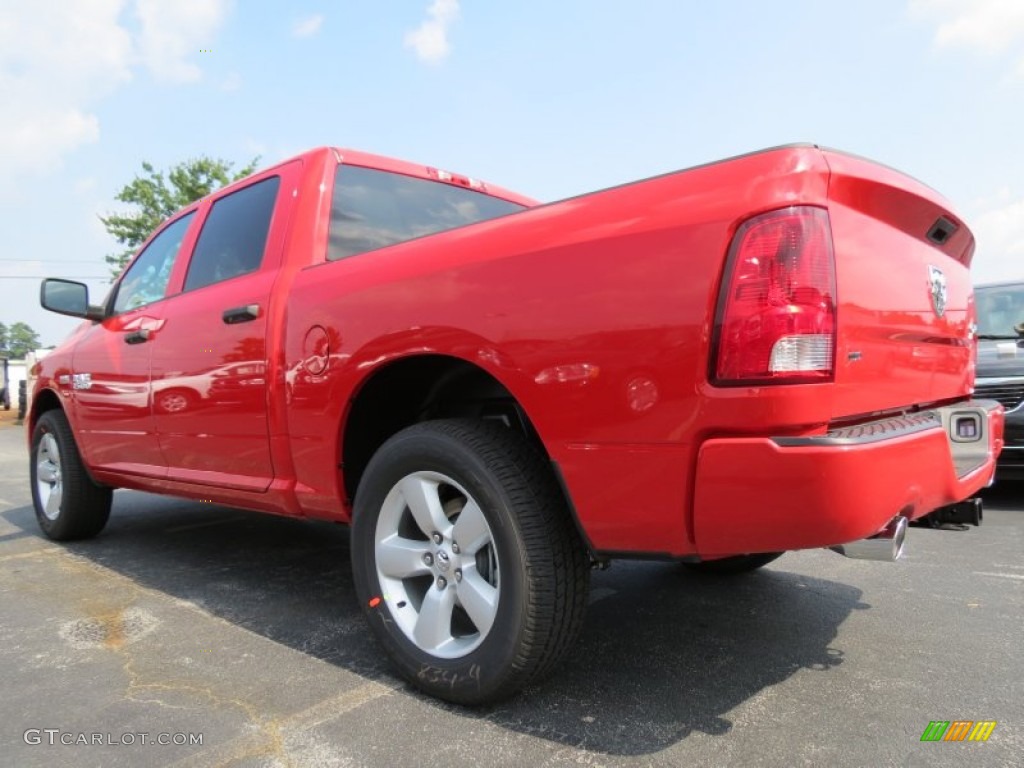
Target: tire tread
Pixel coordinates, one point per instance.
(560, 576)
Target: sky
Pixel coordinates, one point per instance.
(548, 98)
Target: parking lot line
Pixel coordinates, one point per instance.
(1000, 575)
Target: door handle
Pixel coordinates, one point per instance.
(138, 337)
(241, 314)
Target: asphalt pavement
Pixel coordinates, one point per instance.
(235, 638)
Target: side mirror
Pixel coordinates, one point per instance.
(67, 297)
(1019, 328)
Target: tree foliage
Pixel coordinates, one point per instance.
(156, 195)
(17, 340)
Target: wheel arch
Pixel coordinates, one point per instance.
(46, 400)
(43, 401)
(419, 388)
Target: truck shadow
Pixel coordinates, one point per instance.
(1006, 493)
(663, 653)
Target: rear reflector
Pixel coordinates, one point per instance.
(776, 317)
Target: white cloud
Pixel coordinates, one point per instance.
(172, 34)
(990, 25)
(998, 227)
(58, 59)
(430, 39)
(55, 59)
(37, 140)
(307, 27)
(986, 26)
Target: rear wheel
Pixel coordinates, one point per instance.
(736, 564)
(466, 561)
(68, 504)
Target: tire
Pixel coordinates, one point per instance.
(736, 564)
(475, 624)
(69, 505)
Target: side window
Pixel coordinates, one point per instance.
(372, 209)
(146, 279)
(234, 235)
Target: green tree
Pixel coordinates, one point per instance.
(17, 341)
(157, 195)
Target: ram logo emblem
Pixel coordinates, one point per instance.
(937, 286)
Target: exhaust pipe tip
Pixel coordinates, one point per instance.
(885, 546)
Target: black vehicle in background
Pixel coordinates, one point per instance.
(1000, 373)
(5, 388)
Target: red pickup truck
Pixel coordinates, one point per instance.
(768, 353)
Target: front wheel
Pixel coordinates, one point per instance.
(69, 505)
(466, 561)
(735, 564)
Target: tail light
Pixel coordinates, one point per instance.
(972, 337)
(776, 321)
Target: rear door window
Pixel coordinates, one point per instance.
(234, 235)
(373, 209)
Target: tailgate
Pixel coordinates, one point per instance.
(905, 311)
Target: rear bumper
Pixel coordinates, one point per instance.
(776, 494)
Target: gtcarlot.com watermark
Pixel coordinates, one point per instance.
(55, 737)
